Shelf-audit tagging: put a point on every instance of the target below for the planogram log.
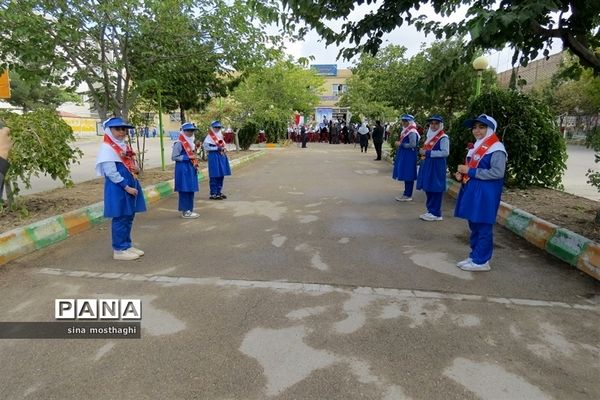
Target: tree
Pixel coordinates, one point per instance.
(536, 150)
(96, 42)
(528, 26)
(421, 85)
(33, 93)
(593, 141)
(271, 95)
(40, 146)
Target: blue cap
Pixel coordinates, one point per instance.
(216, 124)
(189, 126)
(436, 117)
(407, 117)
(482, 119)
(116, 122)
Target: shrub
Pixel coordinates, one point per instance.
(247, 135)
(536, 151)
(40, 146)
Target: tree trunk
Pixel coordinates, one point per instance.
(597, 219)
(182, 114)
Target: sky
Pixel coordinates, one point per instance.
(406, 36)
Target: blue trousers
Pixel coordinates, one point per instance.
(186, 201)
(408, 188)
(434, 203)
(482, 242)
(216, 185)
(121, 232)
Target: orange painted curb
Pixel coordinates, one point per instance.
(539, 231)
(76, 221)
(504, 212)
(589, 260)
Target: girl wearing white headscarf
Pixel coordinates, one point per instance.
(405, 162)
(123, 196)
(363, 134)
(186, 169)
(479, 197)
(432, 172)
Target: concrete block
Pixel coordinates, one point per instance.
(539, 232)
(567, 245)
(589, 260)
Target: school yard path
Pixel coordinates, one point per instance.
(309, 282)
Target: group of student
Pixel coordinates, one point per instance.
(481, 175)
(123, 196)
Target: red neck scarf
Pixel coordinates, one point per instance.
(429, 145)
(127, 157)
(188, 150)
(479, 153)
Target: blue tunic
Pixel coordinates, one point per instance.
(432, 172)
(405, 163)
(119, 203)
(218, 164)
(186, 176)
(479, 199)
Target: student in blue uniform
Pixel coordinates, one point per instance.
(218, 164)
(186, 169)
(432, 172)
(123, 196)
(479, 197)
(405, 162)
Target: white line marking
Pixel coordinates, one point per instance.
(402, 294)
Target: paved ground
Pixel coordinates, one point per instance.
(309, 282)
(580, 160)
(575, 182)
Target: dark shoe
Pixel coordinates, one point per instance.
(215, 197)
(222, 196)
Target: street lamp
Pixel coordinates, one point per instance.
(480, 64)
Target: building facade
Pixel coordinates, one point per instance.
(335, 85)
(535, 73)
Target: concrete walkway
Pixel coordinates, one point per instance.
(309, 282)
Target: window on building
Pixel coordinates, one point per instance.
(339, 89)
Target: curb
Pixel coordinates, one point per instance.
(570, 247)
(286, 143)
(27, 239)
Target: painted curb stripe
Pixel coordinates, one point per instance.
(567, 245)
(24, 240)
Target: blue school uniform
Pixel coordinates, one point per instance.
(218, 164)
(432, 177)
(405, 163)
(122, 207)
(478, 202)
(186, 177)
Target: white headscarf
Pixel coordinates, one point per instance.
(412, 126)
(498, 146)
(431, 133)
(363, 130)
(107, 153)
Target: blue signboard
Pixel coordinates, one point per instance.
(325, 69)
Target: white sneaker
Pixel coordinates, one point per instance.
(430, 217)
(189, 215)
(464, 262)
(136, 251)
(124, 255)
(471, 266)
(403, 198)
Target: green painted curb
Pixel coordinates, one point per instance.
(47, 232)
(567, 245)
(518, 221)
(95, 213)
(164, 189)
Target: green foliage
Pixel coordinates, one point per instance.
(593, 141)
(269, 97)
(247, 135)
(40, 146)
(528, 26)
(35, 93)
(432, 81)
(108, 45)
(536, 151)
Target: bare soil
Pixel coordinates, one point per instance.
(563, 209)
(42, 205)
